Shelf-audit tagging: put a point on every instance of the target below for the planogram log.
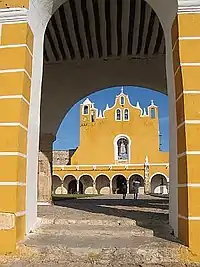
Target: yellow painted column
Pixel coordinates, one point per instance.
(16, 48)
(186, 56)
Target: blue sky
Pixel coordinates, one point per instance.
(68, 133)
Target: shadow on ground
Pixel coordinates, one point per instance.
(150, 213)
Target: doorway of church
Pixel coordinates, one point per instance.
(72, 187)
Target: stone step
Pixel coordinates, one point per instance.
(108, 222)
(94, 230)
(104, 251)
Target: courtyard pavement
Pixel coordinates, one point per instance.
(101, 231)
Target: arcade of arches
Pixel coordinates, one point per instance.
(94, 44)
(105, 185)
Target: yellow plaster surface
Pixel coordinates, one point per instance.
(16, 58)
(188, 55)
(14, 3)
(15, 83)
(103, 131)
(19, 33)
(189, 169)
(13, 168)
(189, 25)
(15, 198)
(190, 76)
(18, 112)
(15, 139)
(20, 227)
(7, 241)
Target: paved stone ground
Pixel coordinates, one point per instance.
(102, 231)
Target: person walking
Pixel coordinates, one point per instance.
(136, 185)
(124, 189)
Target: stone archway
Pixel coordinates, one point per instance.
(136, 177)
(88, 184)
(103, 184)
(159, 184)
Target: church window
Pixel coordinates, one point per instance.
(153, 113)
(122, 100)
(126, 114)
(85, 110)
(123, 149)
(118, 115)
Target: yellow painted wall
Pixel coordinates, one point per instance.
(97, 138)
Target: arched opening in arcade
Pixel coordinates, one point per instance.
(56, 185)
(102, 184)
(159, 184)
(118, 182)
(87, 184)
(72, 187)
(138, 178)
(70, 184)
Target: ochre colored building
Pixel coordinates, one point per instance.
(113, 148)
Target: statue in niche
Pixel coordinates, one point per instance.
(122, 149)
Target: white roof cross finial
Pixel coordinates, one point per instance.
(107, 107)
(152, 103)
(122, 90)
(138, 104)
(100, 114)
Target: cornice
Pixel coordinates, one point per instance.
(9, 15)
(189, 6)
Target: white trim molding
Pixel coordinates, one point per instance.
(159, 173)
(13, 15)
(16, 46)
(188, 185)
(188, 6)
(13, 124)
(86, 174)
(13, 154)
(188, 153)
(12, 184)
(16, 70)
(135, 173)
(15, 97)
(102, 174)
(20, 213)
(188, 122)
(111, 165)
(189, 218)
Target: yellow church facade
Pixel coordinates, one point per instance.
(112, 149)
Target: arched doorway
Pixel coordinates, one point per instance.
(139, 178)
(117, 182)
(67, 180)
(56, 185)
(87, 182)
(103, 184)
(72, 187)
(159, 184)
